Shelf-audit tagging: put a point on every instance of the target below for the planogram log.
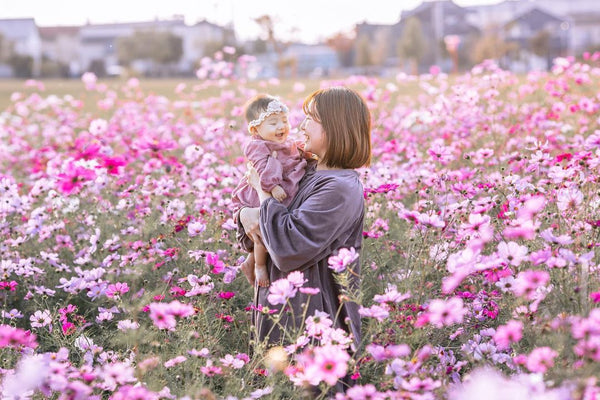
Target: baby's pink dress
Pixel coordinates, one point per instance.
(285, 170)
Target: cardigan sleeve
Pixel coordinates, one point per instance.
(306, 234)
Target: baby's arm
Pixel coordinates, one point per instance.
(269, 168)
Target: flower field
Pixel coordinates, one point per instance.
(119, 269)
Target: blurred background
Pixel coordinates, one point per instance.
(64, 39)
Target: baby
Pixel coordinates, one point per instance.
(279, 163)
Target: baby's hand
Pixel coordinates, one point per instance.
(278, 193)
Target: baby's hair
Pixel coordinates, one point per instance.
(260, 107)
(256, 105)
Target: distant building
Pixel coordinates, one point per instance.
(581, 18)
(200, 40)
(99, 42)
(536, 26)
(297, 59)
(438, 19)
(24, 39)
(60, 44)
(315, 60)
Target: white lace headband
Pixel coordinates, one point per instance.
(274, 107)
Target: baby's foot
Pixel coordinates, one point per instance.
(248, 270)
(262, 277)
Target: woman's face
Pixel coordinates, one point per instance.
(314, 136)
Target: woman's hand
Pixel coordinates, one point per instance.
(254, 180)
(253, 177)
(249, 219)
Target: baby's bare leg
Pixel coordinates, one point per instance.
(247, 268)
(260, 265)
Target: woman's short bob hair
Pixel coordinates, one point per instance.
(346, 120)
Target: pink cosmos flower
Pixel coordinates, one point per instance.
(569, 199)
(210, 370)
(382, 353)
(129, 392)
(431, 219)
(342, 259)
(446, 312)
(479, 226)
(89, 79)
(116, 373)
(512, 252)
(15, 337)
(200, 285)
(280, 291)
(71, 181)
(391, 295)
(379, 312)
(213, 260)
(548, 236)
(595, 297)
(112, 164)
(367, 391)
(116, 289)
(195, 228)
(174, 361)
(98, 126)
(541, 359)
(531, 207)
(127, 324)
(161, 316)
(521, 229)
(527, 282)
(441, 153)
(28, 376)
(318, 323)
(296, 278)
(416, 384)
(232, 362)
(39, 319)
(180, 310)
(512, 332)
(326, 364)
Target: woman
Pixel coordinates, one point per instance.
(326, 215)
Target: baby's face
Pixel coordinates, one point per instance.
(275, 128)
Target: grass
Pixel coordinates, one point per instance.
(164, 87)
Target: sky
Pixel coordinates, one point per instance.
(308, 21)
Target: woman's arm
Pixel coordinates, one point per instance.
(309, 233)
(249, 218)
(255, 181)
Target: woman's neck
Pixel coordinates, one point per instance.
(324, 167)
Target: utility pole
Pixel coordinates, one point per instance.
(438, 29)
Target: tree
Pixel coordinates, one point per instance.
(6, 49)
(380, 46)
(283, 63)
(160, 47)
(540, 43)
(412, 43)
(97, 67)
(343, 45)
(491, 46)
(363, 52)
